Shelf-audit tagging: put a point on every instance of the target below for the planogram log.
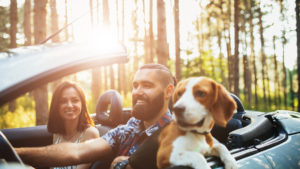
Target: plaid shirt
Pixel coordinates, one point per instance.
(125, 139)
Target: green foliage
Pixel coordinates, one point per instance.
(127, 100)
(207, 63)
(91, 105)
(23, 116)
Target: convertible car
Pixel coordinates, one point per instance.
(256, 139)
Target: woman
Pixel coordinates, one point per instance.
(69, 120)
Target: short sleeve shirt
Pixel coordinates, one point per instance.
(125, 139)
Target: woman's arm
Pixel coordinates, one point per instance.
(65, 154)
(90, 133)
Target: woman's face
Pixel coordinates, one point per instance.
(70, 104)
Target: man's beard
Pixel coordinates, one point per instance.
(149, 109)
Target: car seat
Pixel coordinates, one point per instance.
(221, 133)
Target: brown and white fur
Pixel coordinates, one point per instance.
(198, 104)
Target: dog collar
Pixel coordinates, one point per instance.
(202, 133)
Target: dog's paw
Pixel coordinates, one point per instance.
(231, 164)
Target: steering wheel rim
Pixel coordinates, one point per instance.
(7, 151)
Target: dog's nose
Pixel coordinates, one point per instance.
(178, 110)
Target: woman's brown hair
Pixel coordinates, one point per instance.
(55, 122)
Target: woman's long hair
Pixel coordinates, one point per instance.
(55, 121)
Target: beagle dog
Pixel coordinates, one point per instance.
(198, 104)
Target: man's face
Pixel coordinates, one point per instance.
(147, 95)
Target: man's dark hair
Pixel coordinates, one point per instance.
(166, 75)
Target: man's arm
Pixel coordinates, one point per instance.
(66, 153)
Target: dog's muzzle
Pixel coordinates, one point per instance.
(179, 111)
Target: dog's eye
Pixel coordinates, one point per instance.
(200, 94)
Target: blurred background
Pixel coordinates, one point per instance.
(249, 46)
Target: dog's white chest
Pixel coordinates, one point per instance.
(190, 142)
(188, 149)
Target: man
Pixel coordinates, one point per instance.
(153, 86)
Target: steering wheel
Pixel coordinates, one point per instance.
(7, 151)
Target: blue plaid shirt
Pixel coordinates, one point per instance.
(125, 139)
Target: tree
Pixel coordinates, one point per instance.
(177, 40)
(236, 48)
(13, 17)
(283, 43)
(227, 22)
(298, 48)
(4, 30)
(106, 22)
(54, 20)
(262, 55)
(96, 72)
(27, 22)
(219, 34)
(276, 82)
(66, 21)
(151, 36)
(162, 45)
(252, 54)
(136, 36)
(40, 94)
(246, 62)
(123, 67)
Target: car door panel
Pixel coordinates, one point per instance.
(29, 137)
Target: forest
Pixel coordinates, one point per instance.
(250, 46)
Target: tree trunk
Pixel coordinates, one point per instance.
(221, 31)
(105, 78)
(209, 38)
(291, 90)
(262, 55)
(277, 82)
(40, 94)
(284, 41)
(123, 66)
(96, 84)
(66, 21)
(236, 48)
(106, 22)
(298, 49)
(91, 13)
(228, 46)
(97, 12)
(146, 39)
(136, 36)
(151, 36)
(13, 17)
(219, 34)
(112, 77)
(200, 38)
(253, 57)
(247, 61)
(119, 79)
(177, 40)
(96, 72)
(284, 72)
(27, 22)
(162, 44)
(54, 20)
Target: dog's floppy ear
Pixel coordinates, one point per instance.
(223, 105)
